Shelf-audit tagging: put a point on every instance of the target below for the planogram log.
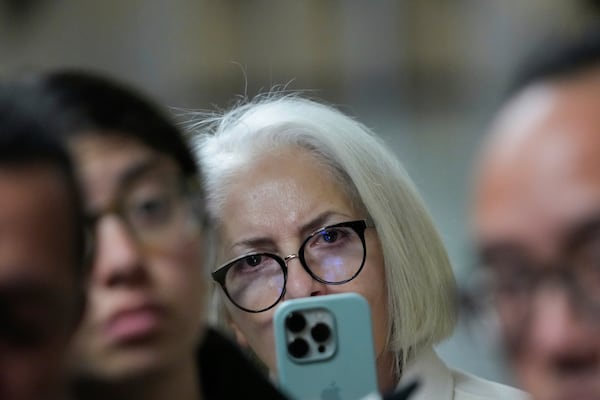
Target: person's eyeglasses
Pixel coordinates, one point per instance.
(507, 285)
(158, 207)
(332, 255)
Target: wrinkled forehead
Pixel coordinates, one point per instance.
(539, 172)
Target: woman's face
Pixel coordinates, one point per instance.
(146, 289)
(272, 205)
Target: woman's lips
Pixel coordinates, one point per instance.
(134, 324)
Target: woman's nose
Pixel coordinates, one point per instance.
(118, 259)
(300, 283)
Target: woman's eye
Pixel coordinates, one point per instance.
(329, 235)
(253, 260)
(153, 205)
(154, 209)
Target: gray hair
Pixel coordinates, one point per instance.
(419, 279)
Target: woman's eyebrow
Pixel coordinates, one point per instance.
(124, 180)
(265, 242)
(136, 170)
(320, 221)
(252, 243)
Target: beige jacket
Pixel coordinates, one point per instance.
(438, 382)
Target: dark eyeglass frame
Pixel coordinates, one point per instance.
(359, 226)
(476, 299)
(189, 190)
(564, 277)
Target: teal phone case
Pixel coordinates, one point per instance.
(341, 369)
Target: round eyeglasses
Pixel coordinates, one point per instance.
(503, 291)
(332, 255)
(158, 207)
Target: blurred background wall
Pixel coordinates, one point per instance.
(424, 74)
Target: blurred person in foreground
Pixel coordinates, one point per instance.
(143, 334)
(41, 253)
(309, 202)
(537, 223)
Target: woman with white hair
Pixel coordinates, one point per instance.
(285, 175)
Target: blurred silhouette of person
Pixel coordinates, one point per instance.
(41, 252)
(143, 334)
(536, 221)
(307, 202)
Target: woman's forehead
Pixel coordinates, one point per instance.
(105, 162)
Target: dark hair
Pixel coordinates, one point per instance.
(27, 138)
(560, 59)
(85, 102)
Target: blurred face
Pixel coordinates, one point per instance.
(272, 206)
(537, 219)
(38, 293)
(146, 289)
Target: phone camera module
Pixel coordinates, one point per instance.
(295, 322)
(320, 332)
(298, 348)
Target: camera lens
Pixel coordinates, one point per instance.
(295, 322)
(320, 332)
(298, 348)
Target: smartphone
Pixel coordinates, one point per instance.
(324, 348)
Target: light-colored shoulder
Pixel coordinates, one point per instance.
(471, 387)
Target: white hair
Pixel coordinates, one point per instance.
(419, 279)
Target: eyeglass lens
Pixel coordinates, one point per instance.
(156, 209)
(514, 294)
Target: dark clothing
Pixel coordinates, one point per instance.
(226, 373)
